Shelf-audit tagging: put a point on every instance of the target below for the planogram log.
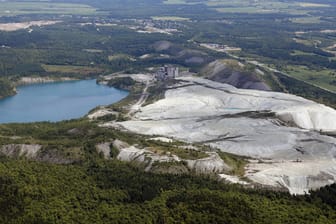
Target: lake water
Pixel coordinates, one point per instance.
(56, 101)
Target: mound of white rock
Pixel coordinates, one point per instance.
(278, 127)
(313, 117)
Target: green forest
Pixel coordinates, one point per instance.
(115, 192)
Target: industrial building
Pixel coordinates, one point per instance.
(167, 72)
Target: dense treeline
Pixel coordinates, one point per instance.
(121, 83)
(6, 88)
(114, 192)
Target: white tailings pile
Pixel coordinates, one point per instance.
(283, 129)
(207, 98)
(315, 117)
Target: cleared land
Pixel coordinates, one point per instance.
(25, 25)
(19, 8)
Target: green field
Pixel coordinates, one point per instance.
(325, 78)
(82, 70)
(19, 8)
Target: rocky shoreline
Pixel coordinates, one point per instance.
(36, 80)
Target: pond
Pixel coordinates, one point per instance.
(56, 101)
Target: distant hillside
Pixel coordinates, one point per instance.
(235, 73)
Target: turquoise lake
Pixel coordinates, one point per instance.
(56, 101)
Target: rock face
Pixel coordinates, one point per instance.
(282, 131)
(105, 149)
(142, 156)
(211, 164)
(18, 150)
(35, 152)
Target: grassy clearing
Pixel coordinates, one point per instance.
(325, 78)
(82, 70)
(19, 8)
